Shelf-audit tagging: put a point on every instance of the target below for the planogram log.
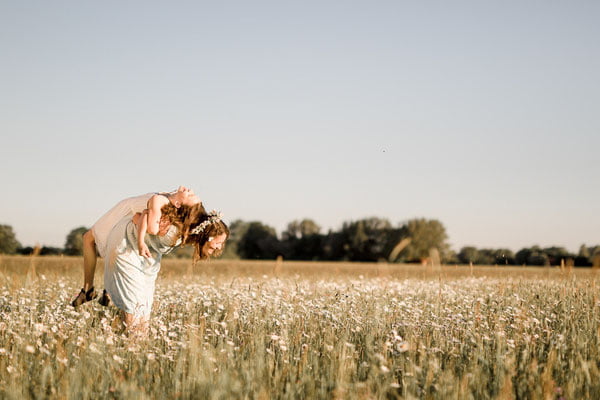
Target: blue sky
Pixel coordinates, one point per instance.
(483, 115)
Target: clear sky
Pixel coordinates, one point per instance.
(483, 115)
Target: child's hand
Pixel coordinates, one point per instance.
(144, 251)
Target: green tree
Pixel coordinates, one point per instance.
(237, 230)
(587, 255)
(532, 256)
(583, 257)
(468, 254)
(595, 258)
(308, 227)
(584, 251)
(292, 231)
(258, 242)
(302, 241)
(451, 257)
(557, 254)
(74, 241)
(333, 247)
(487, 257)
(504, 257)
(50, 251)
(366, 239)
(8, 241)
(425, 234)
(299, 229)
(501, 257)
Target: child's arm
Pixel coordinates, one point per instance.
(142, 227)
(155, 203)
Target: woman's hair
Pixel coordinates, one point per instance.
(198, 240)
(186, 218)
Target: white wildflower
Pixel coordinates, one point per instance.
(402, 347)
(94, 349)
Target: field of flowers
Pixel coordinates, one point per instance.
(273, 330)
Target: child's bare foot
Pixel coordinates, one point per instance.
(84, 297)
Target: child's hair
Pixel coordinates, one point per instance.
(183, 217)
(186, 218)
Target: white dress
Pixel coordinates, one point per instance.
(130, 278)
(125, 208)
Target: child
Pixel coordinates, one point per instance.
(94, 240)
(150, 220)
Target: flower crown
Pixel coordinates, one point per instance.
(213, 217)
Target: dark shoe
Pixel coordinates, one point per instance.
(105, 299)
(84, 297)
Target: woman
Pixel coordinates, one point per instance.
(94, 240)
(129, 278)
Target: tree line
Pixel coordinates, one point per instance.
(374, 239)
(10, 245)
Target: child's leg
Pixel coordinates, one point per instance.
(89, 260)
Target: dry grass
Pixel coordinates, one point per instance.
(278, 330)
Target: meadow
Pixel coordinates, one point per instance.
(292, 330)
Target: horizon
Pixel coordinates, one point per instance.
(324, 231)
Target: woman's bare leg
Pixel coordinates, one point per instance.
(89, 260)
(89, 269)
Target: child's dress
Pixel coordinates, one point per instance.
(130, 278)
(126, 207)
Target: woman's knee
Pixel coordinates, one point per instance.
(88, 237)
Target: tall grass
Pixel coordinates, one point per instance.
(262, 330)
